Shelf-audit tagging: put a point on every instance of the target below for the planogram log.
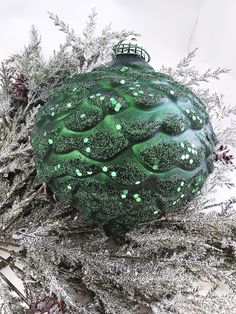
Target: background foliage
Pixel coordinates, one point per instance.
(183, 263)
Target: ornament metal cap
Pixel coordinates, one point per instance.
(131, 46)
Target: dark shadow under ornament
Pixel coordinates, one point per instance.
(123, 143)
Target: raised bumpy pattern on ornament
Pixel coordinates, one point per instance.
(123, 144)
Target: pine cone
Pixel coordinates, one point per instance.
(19, 88)
(46, 304)
(221, 154)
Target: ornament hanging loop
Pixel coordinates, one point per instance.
(131, 46)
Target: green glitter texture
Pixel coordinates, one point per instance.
(124, 144)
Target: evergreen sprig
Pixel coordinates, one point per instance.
(174, 265)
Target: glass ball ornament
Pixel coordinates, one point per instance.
(123, 143)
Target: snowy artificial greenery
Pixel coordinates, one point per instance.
(182, 263)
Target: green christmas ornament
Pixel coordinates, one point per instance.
(123, 143)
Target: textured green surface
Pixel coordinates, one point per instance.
(123, 144)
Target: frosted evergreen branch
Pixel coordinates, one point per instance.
(18, 209)
(189, 75)
(9, 304)
(61, 246)
(5, 78)
(65, 28)
(89, 30)
(186, 61)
